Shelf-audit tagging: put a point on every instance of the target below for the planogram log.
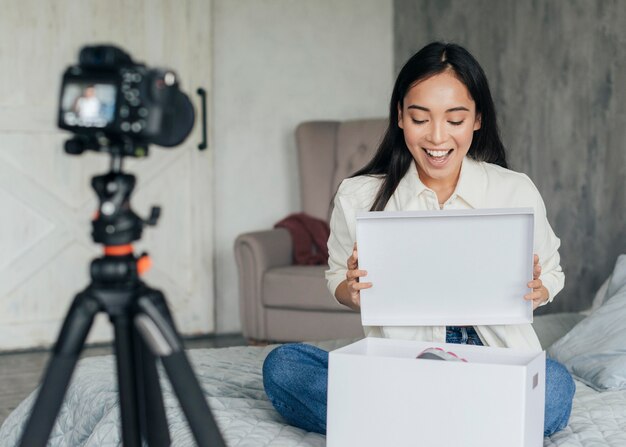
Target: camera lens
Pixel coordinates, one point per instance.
(178, 121)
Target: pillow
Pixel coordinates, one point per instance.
(599, 298)
(594, 351)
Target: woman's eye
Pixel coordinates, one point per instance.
(456, 123)
(418, 121)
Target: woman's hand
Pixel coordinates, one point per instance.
(354, 285)
(540, 294)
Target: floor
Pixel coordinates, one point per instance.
(20, 372)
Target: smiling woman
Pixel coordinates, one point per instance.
(441, 150)
(441, 102)
(438, 118)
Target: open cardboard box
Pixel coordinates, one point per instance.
(379, 394)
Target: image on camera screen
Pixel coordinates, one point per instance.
(88, 104)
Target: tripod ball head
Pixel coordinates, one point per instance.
(115, 222)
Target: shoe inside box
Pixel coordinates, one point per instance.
(409, 349)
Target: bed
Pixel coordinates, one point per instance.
(231, 378)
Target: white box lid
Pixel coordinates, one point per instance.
(446, 267)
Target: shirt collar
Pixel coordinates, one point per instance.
(472, 183)
(411, 181)
(470, 187)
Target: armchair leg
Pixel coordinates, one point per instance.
(254, 342)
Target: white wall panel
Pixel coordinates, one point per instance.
(278, 63)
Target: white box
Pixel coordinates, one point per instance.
(447, 267)
(379, 394)
(471, 268)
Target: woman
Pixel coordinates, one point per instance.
(441, 151)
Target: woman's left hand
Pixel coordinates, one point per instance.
(540, 294)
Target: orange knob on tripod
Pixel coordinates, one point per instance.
(118, 250)
(144, 264)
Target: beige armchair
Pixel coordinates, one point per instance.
(284, 302)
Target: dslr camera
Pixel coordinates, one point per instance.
(114, 104)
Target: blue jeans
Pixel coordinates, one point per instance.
(295, 377)
(462, 335)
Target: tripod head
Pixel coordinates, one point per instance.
(115, 223)
(117, 226)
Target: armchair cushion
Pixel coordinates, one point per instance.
(299, 287)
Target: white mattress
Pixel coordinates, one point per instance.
(231, 377)
(598, 419)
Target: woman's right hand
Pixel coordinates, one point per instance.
(354, 284)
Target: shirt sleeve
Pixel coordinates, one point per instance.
(340, 242)
(546, 246)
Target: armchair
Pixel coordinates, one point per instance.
(284, 302)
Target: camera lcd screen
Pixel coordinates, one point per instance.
(88, 104)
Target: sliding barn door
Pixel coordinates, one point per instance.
(45, 196)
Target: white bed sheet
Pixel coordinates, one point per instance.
(231, 377)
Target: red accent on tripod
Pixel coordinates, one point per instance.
(144, 264)
(118, 250)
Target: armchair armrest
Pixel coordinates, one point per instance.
(256, 253)
(268, 249)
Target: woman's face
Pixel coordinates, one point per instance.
(438, 119)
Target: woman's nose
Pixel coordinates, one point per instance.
(437, 134)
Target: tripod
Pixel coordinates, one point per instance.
(143, 328)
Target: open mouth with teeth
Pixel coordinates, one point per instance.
(438, 156)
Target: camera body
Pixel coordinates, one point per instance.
(108, 97)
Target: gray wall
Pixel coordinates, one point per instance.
(557, 71)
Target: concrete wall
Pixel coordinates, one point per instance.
(557, 72)
(278, 63)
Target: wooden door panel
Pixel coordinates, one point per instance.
(45, 195)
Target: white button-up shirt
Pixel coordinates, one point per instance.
(480, 185)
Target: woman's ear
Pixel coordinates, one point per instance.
(478, 121)
(400, 125)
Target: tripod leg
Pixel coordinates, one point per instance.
(157, 328)
(59, 370)
(152, 415)
(124, 351)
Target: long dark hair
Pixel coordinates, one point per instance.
(393, 159)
